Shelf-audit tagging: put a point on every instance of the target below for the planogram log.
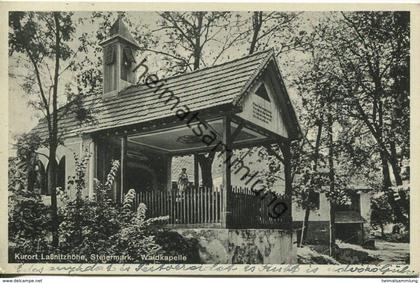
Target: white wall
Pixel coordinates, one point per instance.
(321, 214)
(71, 147)
(253, 165)
(277, 124)
(365, 210)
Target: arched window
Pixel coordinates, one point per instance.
(41, 178)
(61, 173)
(44, 188)
(128, 59)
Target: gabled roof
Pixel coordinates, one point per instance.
(206, 88)
(119, 29)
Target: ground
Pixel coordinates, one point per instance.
(393, 252)
(389, 252)
(385, 253)
(308, 255)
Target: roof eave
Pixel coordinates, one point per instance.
(297, 133)
(116, 36)
(224, 108)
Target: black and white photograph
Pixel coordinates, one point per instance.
(216, 138)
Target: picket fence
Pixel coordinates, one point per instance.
(201, 207)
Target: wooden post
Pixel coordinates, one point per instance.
(196, 179)
(169, 173)
(226, 155)
(123, 167)
(92, 168)
(332, 182)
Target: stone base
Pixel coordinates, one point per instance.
(243, 246)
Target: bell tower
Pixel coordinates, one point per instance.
(119, 51)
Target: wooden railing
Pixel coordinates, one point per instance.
(204, 207)
(196, 206)
(250, 209)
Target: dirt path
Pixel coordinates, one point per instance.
(386, 252)
(396, 253)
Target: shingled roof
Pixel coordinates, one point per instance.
(202, 89)
(348, 217)
(119, 29)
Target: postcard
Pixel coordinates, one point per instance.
(209, 139)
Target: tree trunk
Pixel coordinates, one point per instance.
(197, 45)
(206, 163)
(287, 157)
(308, 209)
(386, 188)
(207, 177)
(53, 137)
(305, 222)
(52, 188)
(332, 181)
(256, 26)
(391, 158)
(396, 169)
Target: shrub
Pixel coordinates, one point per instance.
(103, 227)
(97, 226)
(87, 225)
(28, 216)
(381, 213)
(136, 237)
(403, 237)
(174, 244)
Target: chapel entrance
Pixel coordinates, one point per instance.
(140, 178)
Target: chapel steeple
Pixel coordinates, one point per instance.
(119, 51)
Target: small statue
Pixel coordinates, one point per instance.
(182, 181)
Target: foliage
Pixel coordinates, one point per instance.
(403, 200)
(28, 216)
(135, 237)
(374, 71)
(381, 212)
(27, 158)
(173, 244)
(26, 146)
(278, 30)
(103, 227)
(351, 78)
(403, 237)
(348, 88)
(190, 33)
(40, 40)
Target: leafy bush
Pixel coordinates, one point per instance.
(404, 237)
(103, 227)
(28, 216)
(381, 213)
(174, 244)
(96, 226)
(135, 237)
(87, 225)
